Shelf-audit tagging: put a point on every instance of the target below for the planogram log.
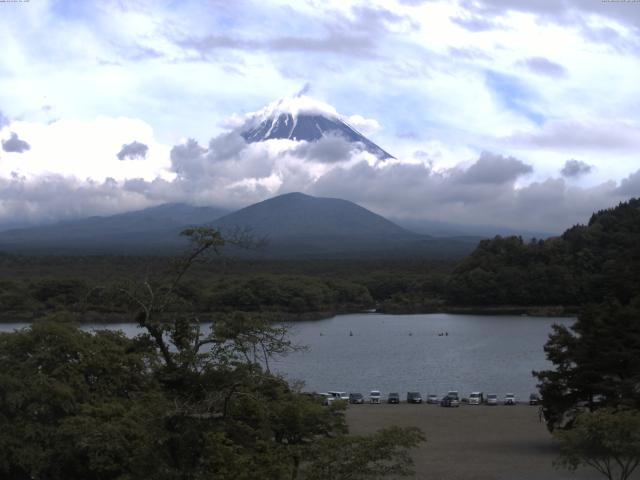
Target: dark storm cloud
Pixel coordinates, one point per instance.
(544, 66)
(494, 169)
(133, 151)
(575, 168)
(14, 144)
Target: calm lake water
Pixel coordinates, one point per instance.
(400, 353)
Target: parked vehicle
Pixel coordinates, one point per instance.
(327, 398)
(450, 401)
(374, 396)
(492, 399)
(453, 394)
(476, 398)
(534, 399)
(509, 399)
(414, 397)
(340, 395)
(356, 398)
(393, 397)
(433, 398)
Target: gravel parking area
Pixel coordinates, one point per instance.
(473, 442)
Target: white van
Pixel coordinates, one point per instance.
(476, 398)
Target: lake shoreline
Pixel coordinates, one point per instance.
(290, 317)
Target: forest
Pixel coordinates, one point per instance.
(586, 264)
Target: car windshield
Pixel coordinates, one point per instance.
(492, 396)
(375, 394)
(474, 395)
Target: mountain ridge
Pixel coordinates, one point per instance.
(297, 226)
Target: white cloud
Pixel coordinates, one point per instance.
(537, 81)
(86, 150)
(366, 126)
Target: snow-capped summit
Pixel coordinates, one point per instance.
(303, 118)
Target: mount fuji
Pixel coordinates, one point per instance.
(303, 118)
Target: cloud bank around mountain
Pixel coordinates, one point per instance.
(491, 189)
(482, 102)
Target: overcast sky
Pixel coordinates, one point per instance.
(501, 112)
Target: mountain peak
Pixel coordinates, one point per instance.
(303, 118)
(295, 106)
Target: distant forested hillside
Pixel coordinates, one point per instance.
(588, 263)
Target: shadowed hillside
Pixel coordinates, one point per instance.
(295, 225)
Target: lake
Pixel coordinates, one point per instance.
(400, 353)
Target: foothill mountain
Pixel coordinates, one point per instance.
(295, 225)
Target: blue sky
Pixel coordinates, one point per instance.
(436, 83)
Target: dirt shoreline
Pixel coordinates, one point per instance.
(473, 442)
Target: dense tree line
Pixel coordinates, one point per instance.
(591, 398)
(34, 287)
(587, 263)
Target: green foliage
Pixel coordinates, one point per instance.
(596, 363)
(288, 293)
(606, 440)
(386, 453)
(172, 403)
(586, 264)
(74, 404)
(92, 286)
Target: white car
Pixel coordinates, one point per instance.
(492, 399)
(340, 395)
(509, 399)
(476, 398)
(374, 396)
(433, 398)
